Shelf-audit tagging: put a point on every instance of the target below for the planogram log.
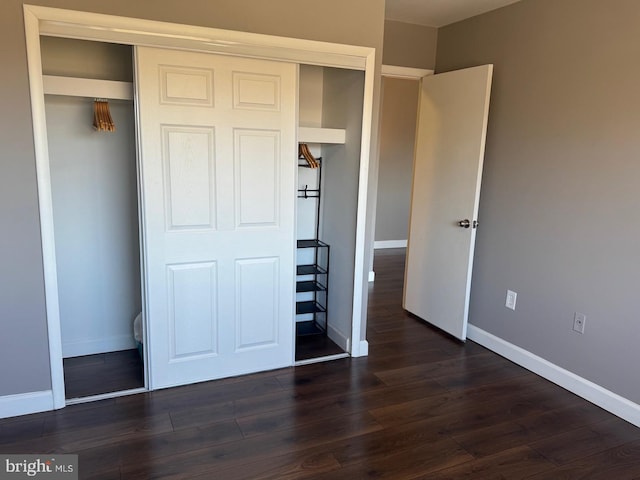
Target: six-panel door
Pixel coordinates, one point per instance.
(218, 159)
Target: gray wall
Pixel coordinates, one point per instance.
(24, 363)
(397, 138)
(560, 195)
(95, 202)
(68, 57)
(342, 108)
(409, 45)
(405, 45)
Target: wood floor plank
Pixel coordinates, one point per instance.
(136, 450)
(585, 441)
(236, 453)
(515, 464)
(521, 430)
(387, 396)
(103, 373)
(620, 463)
(283, 419)
(23, 428)
(291, 466)
(445, 368)
(405, 464)
(384, 443)
(113, 474)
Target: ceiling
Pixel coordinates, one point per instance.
(437, 13)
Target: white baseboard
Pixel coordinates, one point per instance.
(389, 244)
(24, 403)
(612, 402)
(372, 276)
(363, 351)
(78, 348)
(338, 338)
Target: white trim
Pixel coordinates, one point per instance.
(34, 62)
(105, 396)
(364, 348)
(134, 31)
(382, 244)
(328, 358)
(408, 73)
(372, 276)
(23, 403)
(87, 87)
(361, 266)
(338, 338)
(77, 348)
(606, 399)
(322, 135)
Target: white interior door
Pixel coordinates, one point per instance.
(450, 140)
(218, 160)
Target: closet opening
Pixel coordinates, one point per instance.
(330, 119)
(94, 189)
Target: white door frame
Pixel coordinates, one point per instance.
(115, 29)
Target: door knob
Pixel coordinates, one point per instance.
(464, 223)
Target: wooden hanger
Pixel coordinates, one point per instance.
(304, 152)
(102, 120)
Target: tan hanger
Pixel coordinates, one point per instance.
(304, 152)
(102, 120)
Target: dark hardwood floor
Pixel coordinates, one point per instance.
(103, 373)
(421, 405)
(315, 346)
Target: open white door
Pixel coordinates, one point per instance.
(218, 161)
(449, 153)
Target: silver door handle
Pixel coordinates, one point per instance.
(464, 223)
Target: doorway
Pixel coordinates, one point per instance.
(398, 116)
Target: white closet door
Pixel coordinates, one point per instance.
(218, 160)
(447, 170)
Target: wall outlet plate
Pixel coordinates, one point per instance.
(579, 321)
(510, 302)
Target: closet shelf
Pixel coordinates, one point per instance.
(321, 135)
(311, 306)
(313, 243)
(87, 87)
(310, 270)
(310, 286)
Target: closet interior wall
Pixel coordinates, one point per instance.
(95, 203)
(333, 98)
(342, 106)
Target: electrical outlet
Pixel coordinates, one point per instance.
(579, 320)
(510, 302)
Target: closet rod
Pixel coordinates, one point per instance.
(87, 87)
